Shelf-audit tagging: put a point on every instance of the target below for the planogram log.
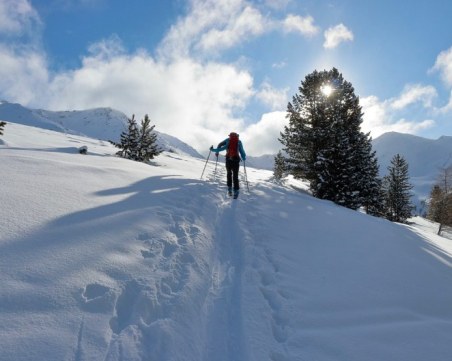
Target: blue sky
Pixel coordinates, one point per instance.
(202, 68)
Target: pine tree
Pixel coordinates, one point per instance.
(438, 210)
(440, 202)
(324, 142)
(2, 125)
(372, 193)
(147, 148)
(397, 188)
(139, 144)
(280, 166)
(129, 141)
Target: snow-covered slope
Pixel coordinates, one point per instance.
(19, 114)
(175, 145)
(100, 123)
(102, 258)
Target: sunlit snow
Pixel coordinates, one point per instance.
(103, 258)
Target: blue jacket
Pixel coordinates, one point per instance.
(224, 145)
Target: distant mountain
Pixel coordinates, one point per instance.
(175, 145)
(425, 158)
(266, 161)
(98, 123)
(18, 114)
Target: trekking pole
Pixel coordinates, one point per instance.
(210, 151)
(215, 172)
(246, 177)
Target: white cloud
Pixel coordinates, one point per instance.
(262, 137)
(303, 25)
(17, 17)
(413, 94)
(276, 99)
(23, 73)
(280, 65)
(379, 118)
(184, 98)
(211, 25)
(277, 4)
(249, 22)
(336, 35)
(443, 64)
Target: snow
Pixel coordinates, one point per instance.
(102, 258)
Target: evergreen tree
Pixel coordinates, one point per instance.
(280, 166)
(2, 125)
(372, 193)
(147, 148)
(139, 144)
(129, 141)
(440, 202)
(324, 143)
(397, 188)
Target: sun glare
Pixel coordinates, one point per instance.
(326, 90)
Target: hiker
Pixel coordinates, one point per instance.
(234, 149)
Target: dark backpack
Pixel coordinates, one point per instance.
(233, 146)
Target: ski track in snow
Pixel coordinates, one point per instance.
(266, 270)
(242, 229)
(224, 330)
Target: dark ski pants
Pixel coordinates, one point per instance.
(232, 173)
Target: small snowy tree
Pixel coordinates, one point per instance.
(280, 166)
(147, 147)
(2, 125)
(397, 188)
(128, 144)
(139, 144)
(372, 196)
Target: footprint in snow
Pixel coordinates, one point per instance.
(97, 298)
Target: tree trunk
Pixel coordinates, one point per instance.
(440, 229)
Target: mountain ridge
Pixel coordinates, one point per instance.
(99, 123)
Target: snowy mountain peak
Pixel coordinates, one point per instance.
(99, 123)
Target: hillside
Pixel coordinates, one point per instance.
(99, 123)
(108, 259)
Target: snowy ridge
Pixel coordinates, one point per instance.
(100, 123)
(108, 259)
(175, 145)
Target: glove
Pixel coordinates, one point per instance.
(244, 158)
(211, 147)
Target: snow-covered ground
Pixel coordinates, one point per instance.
(103, 258)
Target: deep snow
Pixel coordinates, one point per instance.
(103, 258)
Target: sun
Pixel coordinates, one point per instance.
(326, 90)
